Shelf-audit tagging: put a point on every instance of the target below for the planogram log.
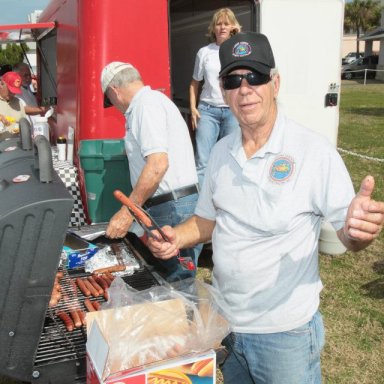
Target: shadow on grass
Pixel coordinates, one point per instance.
(360, 81)
(375, 288)
(366, 111)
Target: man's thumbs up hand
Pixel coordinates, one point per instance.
(365, 216)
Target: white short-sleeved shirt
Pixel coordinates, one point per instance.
(207, 68)
(154, 125)
(268, 211)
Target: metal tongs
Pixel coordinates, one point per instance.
(148, 223)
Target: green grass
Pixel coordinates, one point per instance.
(362, 119)
(352, 301)
(353, 296)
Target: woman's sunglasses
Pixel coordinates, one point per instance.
(253, 78)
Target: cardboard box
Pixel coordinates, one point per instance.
(104, 367)
(183, 370)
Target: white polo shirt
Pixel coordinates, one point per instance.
(268, 212)
(155, 125)
(207, 68)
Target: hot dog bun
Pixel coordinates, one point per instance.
(171, 376)
(203, 368)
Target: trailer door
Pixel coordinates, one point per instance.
(189, 21)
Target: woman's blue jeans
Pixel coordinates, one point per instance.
(291, 357)
(214, 124)
(172, 213)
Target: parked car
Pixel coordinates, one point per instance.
(350, 57)
(358, 68)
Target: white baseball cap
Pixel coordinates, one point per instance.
(109, 72)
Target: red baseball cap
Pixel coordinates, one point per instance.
(13, 81)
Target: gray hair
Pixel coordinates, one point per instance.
(125, 77)
(274, 72)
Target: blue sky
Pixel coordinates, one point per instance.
(17, 11)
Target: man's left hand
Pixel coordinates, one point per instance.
(365, 216)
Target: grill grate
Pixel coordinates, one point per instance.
(60, 350)
(56, 343)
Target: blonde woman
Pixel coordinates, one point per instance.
(211, 116)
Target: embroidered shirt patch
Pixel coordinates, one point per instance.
(282, 168)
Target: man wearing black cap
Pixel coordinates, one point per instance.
(266, 192)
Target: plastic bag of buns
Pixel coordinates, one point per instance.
(163, 322)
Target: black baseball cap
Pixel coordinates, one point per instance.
(246, 50)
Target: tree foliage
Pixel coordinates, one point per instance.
(13, 53)
(361, 16)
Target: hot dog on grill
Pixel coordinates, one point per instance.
(82, 287)
(91, 288)
(66, 320)
(96, 285)
(89, 306)
(82, 317)
(76, 318)
(101, 281)
(55, 297)
(107, 278)
(96, 305)
(114, 268)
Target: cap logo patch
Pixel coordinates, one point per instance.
(281, 169)
(241, 49)
(17, 83)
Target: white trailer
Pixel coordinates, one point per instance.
(306, 36)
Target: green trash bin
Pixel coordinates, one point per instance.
(105, 168)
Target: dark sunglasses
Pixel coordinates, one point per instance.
(253, 78)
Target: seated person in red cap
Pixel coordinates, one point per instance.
(11, 108)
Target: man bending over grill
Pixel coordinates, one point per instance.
(160, 157)
(266, 192)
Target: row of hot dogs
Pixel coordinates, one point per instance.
(70, 313)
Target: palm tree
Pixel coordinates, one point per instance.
(360, 16)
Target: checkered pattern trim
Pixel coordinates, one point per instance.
(68, 174)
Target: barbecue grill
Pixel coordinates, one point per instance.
(35, 345)
(60, 356)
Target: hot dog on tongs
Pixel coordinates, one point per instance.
(147, 222)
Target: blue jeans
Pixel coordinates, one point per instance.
(214, 124)
(291, 357)
(172, 213)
